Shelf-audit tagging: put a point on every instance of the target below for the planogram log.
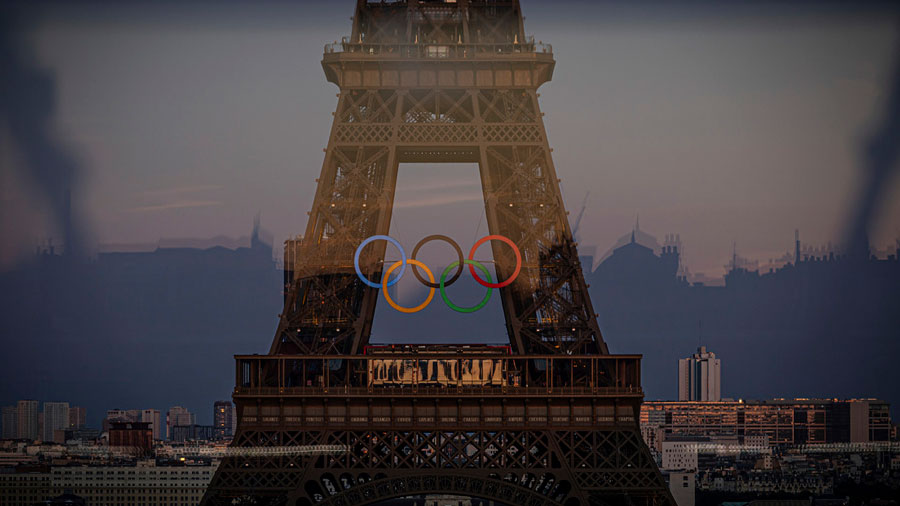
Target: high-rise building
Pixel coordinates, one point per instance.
(77, 417)
(700, 377)
(10, 421)
(56, 417)
(223, 419)
(151, 416)
(27, 420)
(178, 416)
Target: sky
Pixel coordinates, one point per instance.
(725, 124)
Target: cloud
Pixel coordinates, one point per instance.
(437, 186)
(183, 204)
(177, 190)
(440, 200)
(178, 203)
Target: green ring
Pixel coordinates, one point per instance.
(453, 306)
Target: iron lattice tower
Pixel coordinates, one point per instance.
(555, 422)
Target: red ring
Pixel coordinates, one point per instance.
(515, 273)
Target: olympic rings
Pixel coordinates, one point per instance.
(453, 306)
(386, 280)
(363, 245)
(458, 263)
(515, 273)
(387, 297)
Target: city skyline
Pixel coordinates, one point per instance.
(597, 252)
(53, 416)
(607, 293)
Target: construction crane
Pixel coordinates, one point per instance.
(580, 215)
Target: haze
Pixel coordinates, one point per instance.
(721, 124)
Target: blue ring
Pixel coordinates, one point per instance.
(375, 238)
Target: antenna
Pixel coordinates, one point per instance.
(734, 256)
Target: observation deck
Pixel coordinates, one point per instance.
(443, 374)
(415, 388)
(526, 64)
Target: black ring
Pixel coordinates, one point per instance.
(447, 240)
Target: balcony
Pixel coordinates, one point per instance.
(407, 375)
(432, 51)
(526, 64)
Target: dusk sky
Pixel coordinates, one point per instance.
(722, 124)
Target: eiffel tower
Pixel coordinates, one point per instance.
(325, 418)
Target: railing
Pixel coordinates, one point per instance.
(438, 51)
(425, 420)
(438, 374)
(454, 392)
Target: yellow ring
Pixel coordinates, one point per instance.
(387, 275)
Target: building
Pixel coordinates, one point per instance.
(637, 260)
(652, 428)
(178, 415)
(223, 419)
(56, 418)
(134, 438)
(82, 434)
(120, 415)
(683, 487)
(10, 422)
(66, 499)
(679, 454)
(25, 487)
(145, 484)
(151, 416)
(779, 421)
(700, 377)
(27, 420)
(182, 433)
(123, 415)
(77, 417)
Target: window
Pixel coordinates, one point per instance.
(437, 51)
